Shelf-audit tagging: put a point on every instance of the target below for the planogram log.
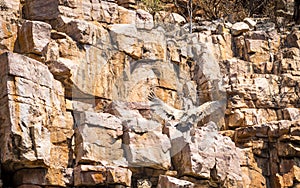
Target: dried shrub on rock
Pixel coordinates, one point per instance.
(152, 6)
(229, 9)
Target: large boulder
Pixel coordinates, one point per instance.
(98, 138)
(207, 154)
(35, 125)
(151, 149)
(95, 175)
(41, 10)
(239, 28)
(34, 37)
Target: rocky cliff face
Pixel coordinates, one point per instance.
(97, 95)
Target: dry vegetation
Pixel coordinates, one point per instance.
(214, 9)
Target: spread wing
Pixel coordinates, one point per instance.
(162, 109)
(187, 118)
(194, 115)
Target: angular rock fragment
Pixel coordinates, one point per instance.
(208, 155)
(34, 37)
(167, 181)
(125, 37)
(32, 113)
(79, 30)
(239, 28)
(41, 10)
(151, 149)
(144, 20)
(91, 175)
(251, 23)
(98, 139)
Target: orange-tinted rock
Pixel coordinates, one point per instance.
(34, 36)
(90, 175)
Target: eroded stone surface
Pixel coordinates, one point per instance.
(98, 138)
(34, 113)
(208, 152)
(91, 175)
(167, 181)
(34, 36)
(108, 59)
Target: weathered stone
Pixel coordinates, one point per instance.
(144, 20)
(144, 183)
(265, 25)
(174, 52)
(155, 46)
(140, 125)
(220, 44)
(167, 181)
(119, 175)
(79, 30)
(257, 35)
(105, 67)
(34, 37)
(293, 39)
(39, 176)
(124, 36)
(41, 10)
(110, 12)
(239, 28)
(258, 51)
(239, 46)
(209, 150)
(291, 53)
(67, 47)
(178, 18)
(236, 119)
(151, 149)
(289, 65)
(252, 178)
(240, 67)
(89, 175)
(30, 176)
(288, 149)
(291, 114)
(290, 178)
(29, 186)
(97, 138)
(251, 23)
(256, 46)
(8, 35)
(35, 101)
(128, 16)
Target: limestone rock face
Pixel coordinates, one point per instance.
(208, 155)
(34, 36)
(90, 175)
(97, 138)
(152, 149)
(36, 127)
(79, 30)
(8, 35)
(239, 28)
(41, 10)
(167, 181)
(78, 79)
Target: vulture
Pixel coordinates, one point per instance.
(186, 118)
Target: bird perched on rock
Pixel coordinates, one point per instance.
(186, 118)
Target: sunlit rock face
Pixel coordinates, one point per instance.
(36, 128)
(105, 94)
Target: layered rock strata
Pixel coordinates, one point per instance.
(75, 81)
